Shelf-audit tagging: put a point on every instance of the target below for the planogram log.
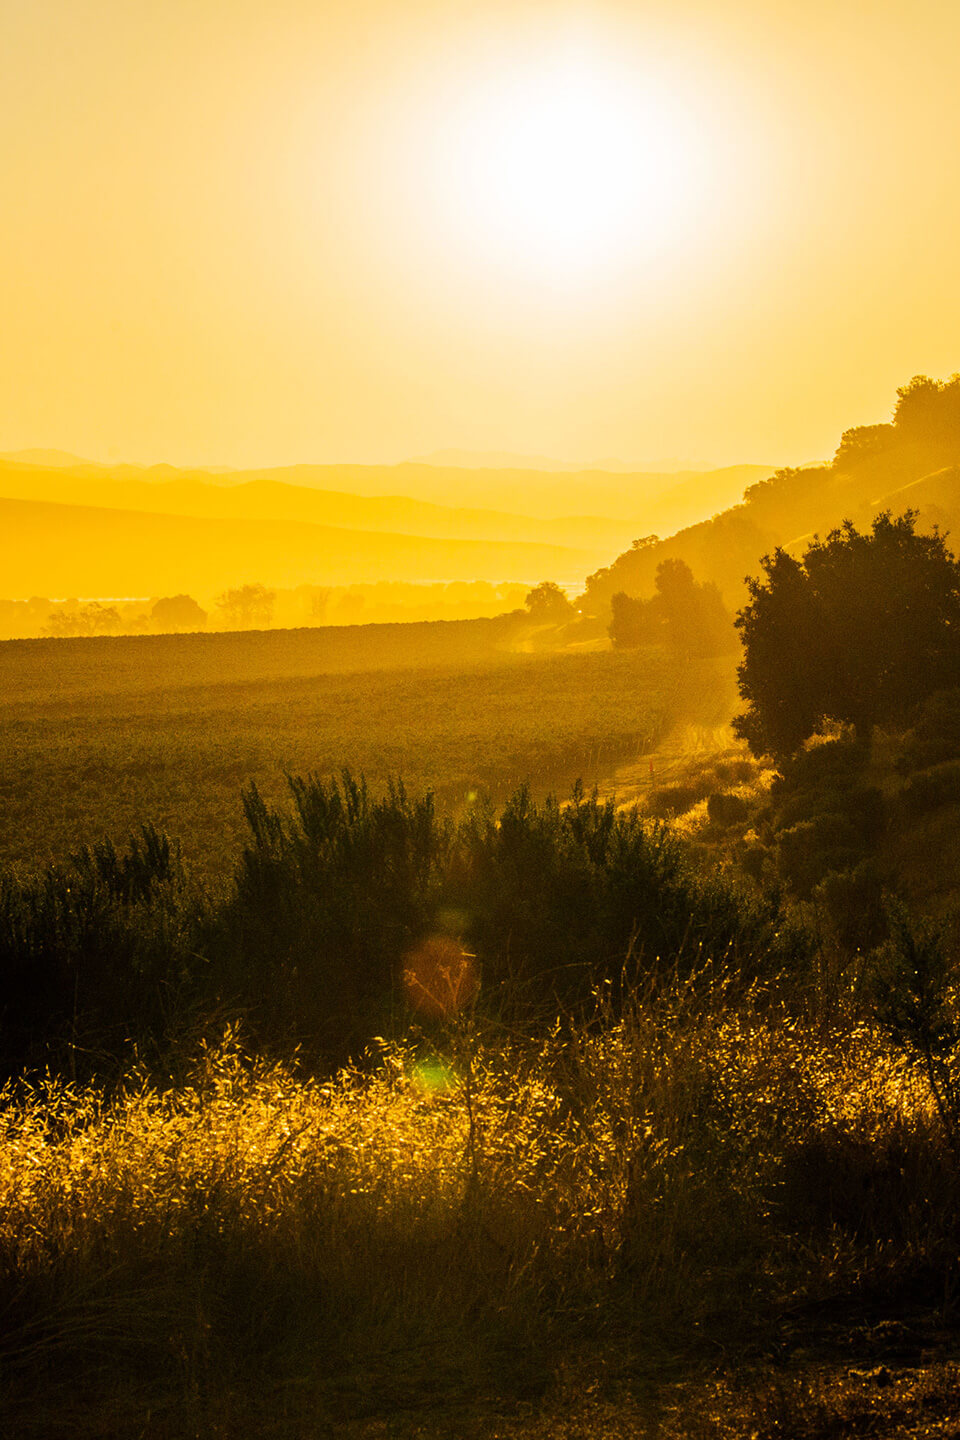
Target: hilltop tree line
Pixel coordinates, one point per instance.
(871, 470)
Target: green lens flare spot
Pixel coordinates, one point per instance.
(435, 1077)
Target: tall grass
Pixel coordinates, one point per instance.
(473, 1203)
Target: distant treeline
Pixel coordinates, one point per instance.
(253, 607)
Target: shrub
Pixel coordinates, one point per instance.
(327, 901)
(94, 954)
(724, 809)
(337, 901)
(853, 902)
(935, 736)
(929, 789)
(915, 1002)
(332, 899)
(824, 818)
(668, 801)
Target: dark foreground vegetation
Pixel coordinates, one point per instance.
(424, 1126)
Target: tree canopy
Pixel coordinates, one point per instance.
(178, 612)
(548, 604)
(858, 631)
(247, 606)
(688, 617)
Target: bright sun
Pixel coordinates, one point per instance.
(568, 168)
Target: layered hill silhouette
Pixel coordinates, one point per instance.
(659, 502)
(913, 462)
(615, 503)
(58, 550)
(71, 527)
(187, 494)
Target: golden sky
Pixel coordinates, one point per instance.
(267, 231)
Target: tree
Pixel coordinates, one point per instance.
(863, 442)
(688, 617)
(548, 604)
(248, 607)
(696, 620)
(929, 410)
(178, 612)
(74, 620)
(858, 631)
(633, 622)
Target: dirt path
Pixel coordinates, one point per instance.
(669, 764)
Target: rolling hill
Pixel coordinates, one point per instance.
(83, 550)
(72, 527)
(476, 503)
(266, 499)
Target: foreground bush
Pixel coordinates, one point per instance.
(95, 954)
(332, 902)
(333, 898)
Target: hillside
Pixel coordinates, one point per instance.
(59, 549)
(205, 498)
(912, 462)
(415, 497)
(650, 502)
(99, 735)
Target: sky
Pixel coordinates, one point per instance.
(262, 232)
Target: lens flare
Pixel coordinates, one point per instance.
(435, 1077)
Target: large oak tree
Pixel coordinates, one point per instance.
(857, 631)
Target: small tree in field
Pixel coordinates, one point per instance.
(858, 631)
(75, 620)
(548, 604)
(248, 607)
(178, 612)
(687, 616)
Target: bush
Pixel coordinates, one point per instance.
(333, 899)
(94, 954)
(935, 736)
(853, 902)
(666, 802)
(327, 901)
(824, 818)
(915, 1001)
(929, 789)
(724, 809)
(348, 906)
(811, 849)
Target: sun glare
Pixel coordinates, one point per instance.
(568, 168)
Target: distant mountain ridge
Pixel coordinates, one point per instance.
(508, 460)
(277, 500)
(59, 550)
(626, 504)
(51, 459)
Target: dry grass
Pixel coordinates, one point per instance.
(489, 1224)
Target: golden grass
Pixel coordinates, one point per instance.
(462, 1218)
